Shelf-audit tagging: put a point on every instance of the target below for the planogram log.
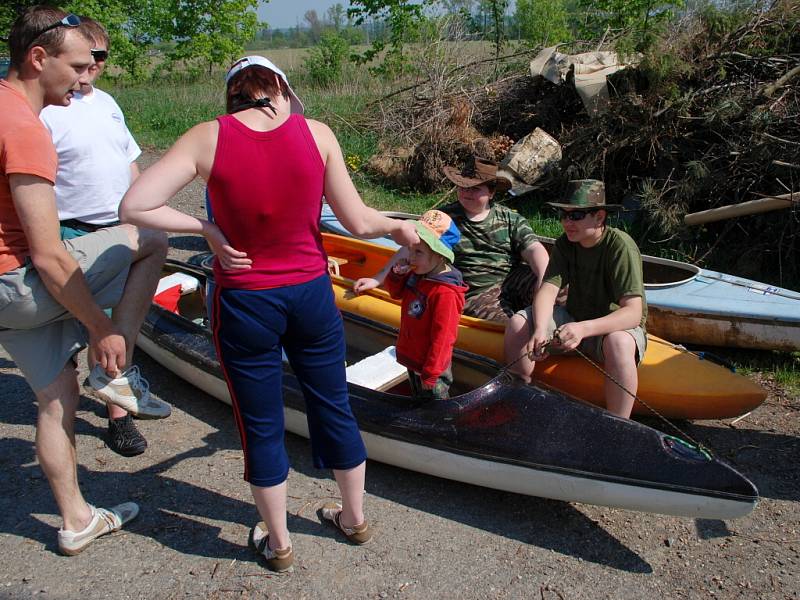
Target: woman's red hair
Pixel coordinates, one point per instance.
(252, 83)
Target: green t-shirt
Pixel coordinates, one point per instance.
(490, 248)
(598, 276)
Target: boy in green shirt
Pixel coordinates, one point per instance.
(606, 310)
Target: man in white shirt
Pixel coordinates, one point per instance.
(96, 166)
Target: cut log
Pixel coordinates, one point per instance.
(744, 208)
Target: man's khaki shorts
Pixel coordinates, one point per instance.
(35, 329)
(591, 346)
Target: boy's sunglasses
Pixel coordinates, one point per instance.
(69, 21)
(99, 55)
(574, 215)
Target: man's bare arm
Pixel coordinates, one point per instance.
(34, 200)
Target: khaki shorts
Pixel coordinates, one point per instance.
(35, 329)
(592, 346)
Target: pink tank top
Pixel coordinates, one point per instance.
(265, 192)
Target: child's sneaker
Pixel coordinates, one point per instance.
(130, 391)
(278, 560)
(103, 521)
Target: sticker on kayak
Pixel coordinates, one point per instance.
(763, 291)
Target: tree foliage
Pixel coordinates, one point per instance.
(543, 22)
(636, 17)
(325, 61)
(403, 19)
(195, 32)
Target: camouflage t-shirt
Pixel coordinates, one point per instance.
(489, 249)
(598, 276)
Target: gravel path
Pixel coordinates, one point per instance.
(435, 538)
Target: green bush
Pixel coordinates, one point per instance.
(326, 60)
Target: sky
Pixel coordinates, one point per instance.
(286, 13)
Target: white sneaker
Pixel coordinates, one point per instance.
(103, 521)
(130, 391)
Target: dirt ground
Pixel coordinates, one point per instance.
(435, 538)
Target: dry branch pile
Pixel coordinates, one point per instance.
(707, 119)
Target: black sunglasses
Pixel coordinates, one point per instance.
(99, 55)
(574, 215)
(69, 21)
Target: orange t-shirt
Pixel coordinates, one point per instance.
(25, 148)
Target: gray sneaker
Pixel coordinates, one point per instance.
(130, 391)
(103, 521)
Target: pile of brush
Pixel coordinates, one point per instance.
(710, 117)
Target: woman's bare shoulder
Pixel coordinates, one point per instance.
(203, 131)
(327, 143)
(321, 132)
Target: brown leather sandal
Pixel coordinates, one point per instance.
(278, 560)
(358, 534)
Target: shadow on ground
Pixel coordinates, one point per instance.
(173, 508)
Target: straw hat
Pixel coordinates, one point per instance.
(477, 171)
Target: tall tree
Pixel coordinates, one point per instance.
(210, 31)
(314, 24)
(336, 16)
(402, 18)
(494, 18)
(202, 31)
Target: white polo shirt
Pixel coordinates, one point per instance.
(95, 151)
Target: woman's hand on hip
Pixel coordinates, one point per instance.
(229, 258)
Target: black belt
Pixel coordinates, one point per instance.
(87, 227)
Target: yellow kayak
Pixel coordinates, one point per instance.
(673, 381)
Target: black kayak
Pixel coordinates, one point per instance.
(494, 431)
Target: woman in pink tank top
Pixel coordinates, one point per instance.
(267, 169)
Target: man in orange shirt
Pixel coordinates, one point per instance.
(52, 293)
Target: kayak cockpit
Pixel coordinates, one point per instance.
(370, 358)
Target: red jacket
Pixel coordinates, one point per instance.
(428, 320)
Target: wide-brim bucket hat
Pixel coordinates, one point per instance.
(439, 232)
(477, 171)
(260, 61)
(585, 194)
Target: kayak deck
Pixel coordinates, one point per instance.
(672, 380)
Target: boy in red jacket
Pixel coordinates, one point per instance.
(432, 291)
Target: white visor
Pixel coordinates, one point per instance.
(252, 61)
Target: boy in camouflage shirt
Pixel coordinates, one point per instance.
(499, 256)
(606, 310)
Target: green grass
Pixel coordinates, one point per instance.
(159, 115)
(783, 366)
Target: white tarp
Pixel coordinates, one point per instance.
(590, 72)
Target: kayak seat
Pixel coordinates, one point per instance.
(378, 372)
(344, 257)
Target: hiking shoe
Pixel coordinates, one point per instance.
(124, 438)
(358, 534)
(130, 391)
(103, 521)
(279, 560)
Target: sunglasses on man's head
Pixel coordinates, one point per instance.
(574, 215)
(99, 55)
(69, 21)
